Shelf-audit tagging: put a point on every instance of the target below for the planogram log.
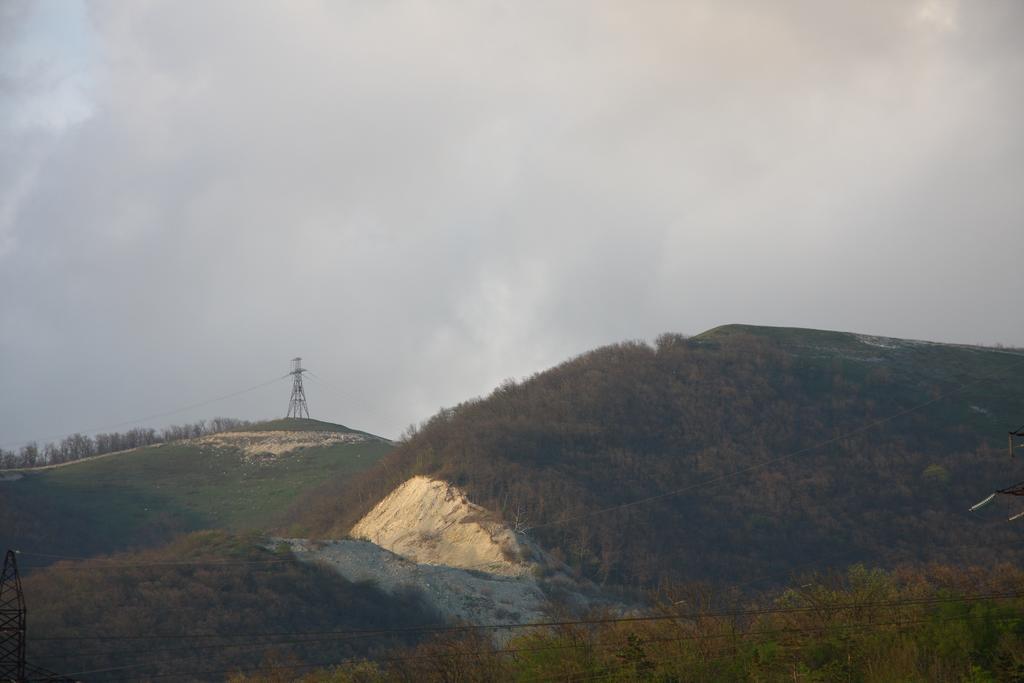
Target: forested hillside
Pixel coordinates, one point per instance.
(749, 452)
(209, 602)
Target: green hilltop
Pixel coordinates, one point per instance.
(302, 424)
(147, 495)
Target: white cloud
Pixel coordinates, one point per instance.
(938, 14)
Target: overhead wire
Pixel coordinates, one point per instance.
(870, 425)
(577, 645)
(154, 416)
(101, 563)
(691, 615)
(419, 569)
(711, 481)
(323, 640)
(744, 470)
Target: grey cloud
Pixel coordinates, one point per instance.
(425, 198)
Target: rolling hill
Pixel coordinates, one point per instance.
(195, 610)
(237, 481)
(737, 456)
(740, 457)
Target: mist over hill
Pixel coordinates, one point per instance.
(736, 456)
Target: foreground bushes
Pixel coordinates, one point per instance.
(937, 625)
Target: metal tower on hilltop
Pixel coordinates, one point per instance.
(297, 405)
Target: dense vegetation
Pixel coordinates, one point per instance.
(867, 626)
(213, 606)
(195, 605)
(848, 448)
(145, 497)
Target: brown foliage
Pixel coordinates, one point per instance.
(630, 421)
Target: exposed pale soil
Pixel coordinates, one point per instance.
(432, 522)
(263, 445)
(468, 566)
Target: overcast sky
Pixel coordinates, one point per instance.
(425, 198)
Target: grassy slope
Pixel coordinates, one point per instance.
(143, 496)
(629, 421)
(300, 424)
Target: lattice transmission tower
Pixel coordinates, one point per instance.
(13, 666)
(297, 405)
(12, 622)
(1016, 441)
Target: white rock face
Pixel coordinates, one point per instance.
(427, 535)
(432, 522)
(275, 443)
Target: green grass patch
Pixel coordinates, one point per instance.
(298, 424)
(142, 497)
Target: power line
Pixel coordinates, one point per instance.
(102, 564)
(99, 563)
(625, 505)
(503, 651)
(139, 565)
(327, 639)
(96, 563)
(732, 614)
(640, 501)
(148, 417)
(565, 646)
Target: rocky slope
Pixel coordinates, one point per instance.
(468, 566)
(457, 594)
(432, 522)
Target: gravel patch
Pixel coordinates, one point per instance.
(457, 594)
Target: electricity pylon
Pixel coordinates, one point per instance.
(1019, 434)
(13, 667)
(1016, 489)
(297, 405)
(12, 622)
